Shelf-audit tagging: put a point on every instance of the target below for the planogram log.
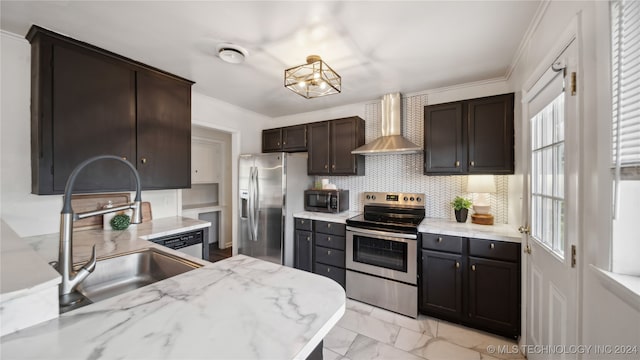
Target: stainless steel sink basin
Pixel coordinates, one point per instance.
(120, 274)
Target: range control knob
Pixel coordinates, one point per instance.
(406, 198)
(368, 197)
(373, 197)
(411, 198)
(419, 199)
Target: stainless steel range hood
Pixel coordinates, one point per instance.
(391, 141)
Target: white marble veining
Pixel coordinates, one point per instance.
(115, 242)
(340, 218)
(500, 232)
(238, 308)
(28, 285)
(421, 338)
(22, 269)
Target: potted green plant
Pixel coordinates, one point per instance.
(461, 207)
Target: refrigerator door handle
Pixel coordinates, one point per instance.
(251, 204)
(256, 205)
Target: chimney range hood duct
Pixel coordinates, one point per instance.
(391, 141)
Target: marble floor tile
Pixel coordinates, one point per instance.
(438, 349)
(330, 355)
(410, 341)
(369, 326)
(339, 339)
(423, 324)
(359, 306)
(364, 348)
(475, 339)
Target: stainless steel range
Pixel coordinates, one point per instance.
(381, 253)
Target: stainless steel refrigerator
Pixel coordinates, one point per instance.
(271, 188)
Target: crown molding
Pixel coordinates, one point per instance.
(533, 26)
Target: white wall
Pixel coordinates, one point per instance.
(606, 319)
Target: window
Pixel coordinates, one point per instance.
(625, 79)
(547, 175)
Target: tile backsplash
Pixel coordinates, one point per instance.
(403, 173)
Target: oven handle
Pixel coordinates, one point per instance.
(382, 233)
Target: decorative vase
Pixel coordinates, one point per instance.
(461, 215)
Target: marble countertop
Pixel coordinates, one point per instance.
(500, 232)
(240, 307)
(22, 270)
(110, 242)
(337, 218)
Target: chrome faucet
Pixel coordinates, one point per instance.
(70, 277)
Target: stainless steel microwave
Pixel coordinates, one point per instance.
(329, 201)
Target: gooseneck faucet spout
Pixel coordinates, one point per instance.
(70, 277)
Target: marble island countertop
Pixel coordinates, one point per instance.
(240, 307)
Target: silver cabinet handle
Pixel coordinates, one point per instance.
(473, 268)
(457, 265)
(301, 221)
(328, 225)
(124, 158)
(473, 163)
(439, 239)
(329, 238)
(308, 238)
(143, 160)
(328, 252)
(492, 246)
(328, 269)
(457, 163)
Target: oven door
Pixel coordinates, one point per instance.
(385, 254)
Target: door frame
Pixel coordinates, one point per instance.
(572, 33)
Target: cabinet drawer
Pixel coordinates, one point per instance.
(330, 256)
(442, 243)
(332, 272)
(330, 241)
(326, 227)
(303, 224)
(499, 250)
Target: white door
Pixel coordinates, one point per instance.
(552, 132)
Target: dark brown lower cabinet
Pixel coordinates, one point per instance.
(494, 294)
(478, 291)
(303, 250)
(441, 291)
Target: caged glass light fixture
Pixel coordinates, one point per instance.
(313, 79)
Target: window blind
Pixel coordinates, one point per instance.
(625, 23)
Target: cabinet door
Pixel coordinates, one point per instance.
(346, 135)
(294, 138)
(272, 140)
(490, 132)
(92, 113)
(494, 295)
(441, 284)
(318, 145)
(303, 251)
(443, 146)
(164, 131)
(206, 161)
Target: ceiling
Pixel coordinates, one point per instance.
(376, 46)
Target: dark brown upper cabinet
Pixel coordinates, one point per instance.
(470, 137)
(287, 139)
(86, 101)
(330, 144)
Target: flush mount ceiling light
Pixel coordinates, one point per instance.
(313, 79)
(231, 53)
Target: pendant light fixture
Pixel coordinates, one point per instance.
(313, 79)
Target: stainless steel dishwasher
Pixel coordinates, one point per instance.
(191, 243)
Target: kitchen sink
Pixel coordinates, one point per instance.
(119, 274)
